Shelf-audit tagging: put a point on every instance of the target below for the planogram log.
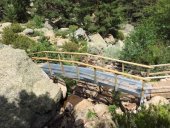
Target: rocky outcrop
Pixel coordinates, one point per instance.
(27, 96)
(96, 44)
(157, 100)
(87, 114)
(91, 115)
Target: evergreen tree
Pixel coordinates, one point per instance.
(16, 10)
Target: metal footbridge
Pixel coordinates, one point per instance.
(128, 77)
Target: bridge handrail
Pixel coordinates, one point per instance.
(95, 67)
(107, 58)
(148, 68)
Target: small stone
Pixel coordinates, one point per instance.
(28, 31)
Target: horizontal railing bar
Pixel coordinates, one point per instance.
(102, 57)
(159, 73)
(97, 67)
(160, 65)
(158, 77)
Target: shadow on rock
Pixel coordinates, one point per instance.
(29, 111)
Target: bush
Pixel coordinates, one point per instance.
(143, 46)
(16, 28)
(70, 47)
(154, 117)
(42, 45)
(112, 52)
(17, 41)
(120, 35)
(10, 13)
(16, 10)
(36, 22)
(23, 42)
(63, 34)
(8, 36)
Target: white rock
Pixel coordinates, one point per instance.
(61, 41)
(4, 25)
(63, 29)
(47, 25)
(119, 111)
(110, 39)
(28, 31)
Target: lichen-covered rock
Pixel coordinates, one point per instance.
(27, 96)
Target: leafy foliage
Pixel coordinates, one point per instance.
(23, 42)
(144, 46)
(16, 10)
(8, 36)
(16, 28)
(153, 117)
(36, 22)
(91, 114)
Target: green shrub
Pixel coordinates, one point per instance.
(153, 117)
(120, 35)
(36, 22)
(112, 52)
(37, 33)
(70, 47)
(42, 45)
(23, 42)
(10, 13)
(16, 10)
(16, 28)
(143, 46)
(8, 36)
(69, 84)
(63, 34)
(17, 41)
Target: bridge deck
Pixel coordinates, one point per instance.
(122, 84)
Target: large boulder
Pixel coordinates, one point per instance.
(89, 115)
(156, 100)
(96, 44)
(28, 97)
